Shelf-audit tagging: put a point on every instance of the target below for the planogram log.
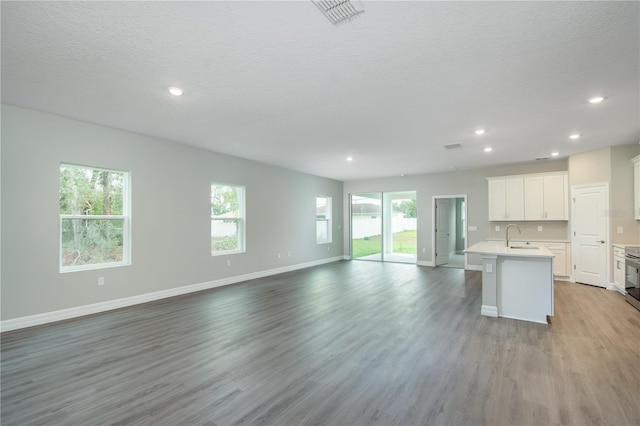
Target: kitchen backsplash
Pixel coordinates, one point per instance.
(550, 231)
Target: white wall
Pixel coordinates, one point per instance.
(613, 166)
(170, 213)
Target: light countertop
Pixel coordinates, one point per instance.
(533, 240)
(623, 246)
(498, 248)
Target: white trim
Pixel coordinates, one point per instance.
(94, 308)
(433, 224)
(526, 319)
(573, 243)
(489, 311)
(125, 217)
(474, 268)
(424, 263)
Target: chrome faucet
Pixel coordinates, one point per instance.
(507, 231)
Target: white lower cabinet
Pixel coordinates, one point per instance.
(562, 259)
(618, 268)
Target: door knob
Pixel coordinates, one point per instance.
(601, 241)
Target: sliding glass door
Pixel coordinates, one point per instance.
(401, 243)
(384, 226)
(366, 226)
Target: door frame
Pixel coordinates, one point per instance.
(433, 225)
(574, 250)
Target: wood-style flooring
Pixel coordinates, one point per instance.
(348, 343)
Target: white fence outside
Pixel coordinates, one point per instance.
(221, 228)
(367, 227)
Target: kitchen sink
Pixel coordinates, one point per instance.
(524, 247)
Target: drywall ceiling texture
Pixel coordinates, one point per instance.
(277, 83)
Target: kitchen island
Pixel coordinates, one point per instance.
(517, 280)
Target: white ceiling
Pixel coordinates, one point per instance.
(277, 83)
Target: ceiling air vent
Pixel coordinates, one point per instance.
(453, 146)
(337, 11)
(542, 158)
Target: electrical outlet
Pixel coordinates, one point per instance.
(228, 262)
(278, 255)
(328, 248)
(497, 228)
(424, 250)
(100, 280)
(339, 227)
(288, 254)
(539, 228)
(620, 230)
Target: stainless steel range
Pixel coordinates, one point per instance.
(632, 275)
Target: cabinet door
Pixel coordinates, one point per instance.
(533, 198)
(514, 198)
(559, 262)
(497, 200)
(556, 204)
(618, 271)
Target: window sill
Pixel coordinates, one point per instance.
(67, 269)
(224, 253)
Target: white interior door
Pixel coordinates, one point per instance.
(590, 225)
(442, 231)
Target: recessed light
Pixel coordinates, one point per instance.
(176, 91)
(596, 100)
(555, 153)
(349, 158)
(574, 136)
(488, 149)
(479, 131)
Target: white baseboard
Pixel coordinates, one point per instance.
(489, 311)
(94, 308)
(424, 263)
(562, 278)
(474, 268)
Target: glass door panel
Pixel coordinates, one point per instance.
(366, 226)
(400, 227)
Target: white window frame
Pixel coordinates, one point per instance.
(241, 222)
(125, 217)
(328, 220)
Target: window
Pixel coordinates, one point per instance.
(94, 218)
(227, 219)
(323, 220)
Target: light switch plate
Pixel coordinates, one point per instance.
(472, 228)
(540, 228)
(497, 227)
(620, 230)
(488, 268)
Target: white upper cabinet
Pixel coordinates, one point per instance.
(546, 197)
(636, 186)
(506, 198)
(534, 197)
